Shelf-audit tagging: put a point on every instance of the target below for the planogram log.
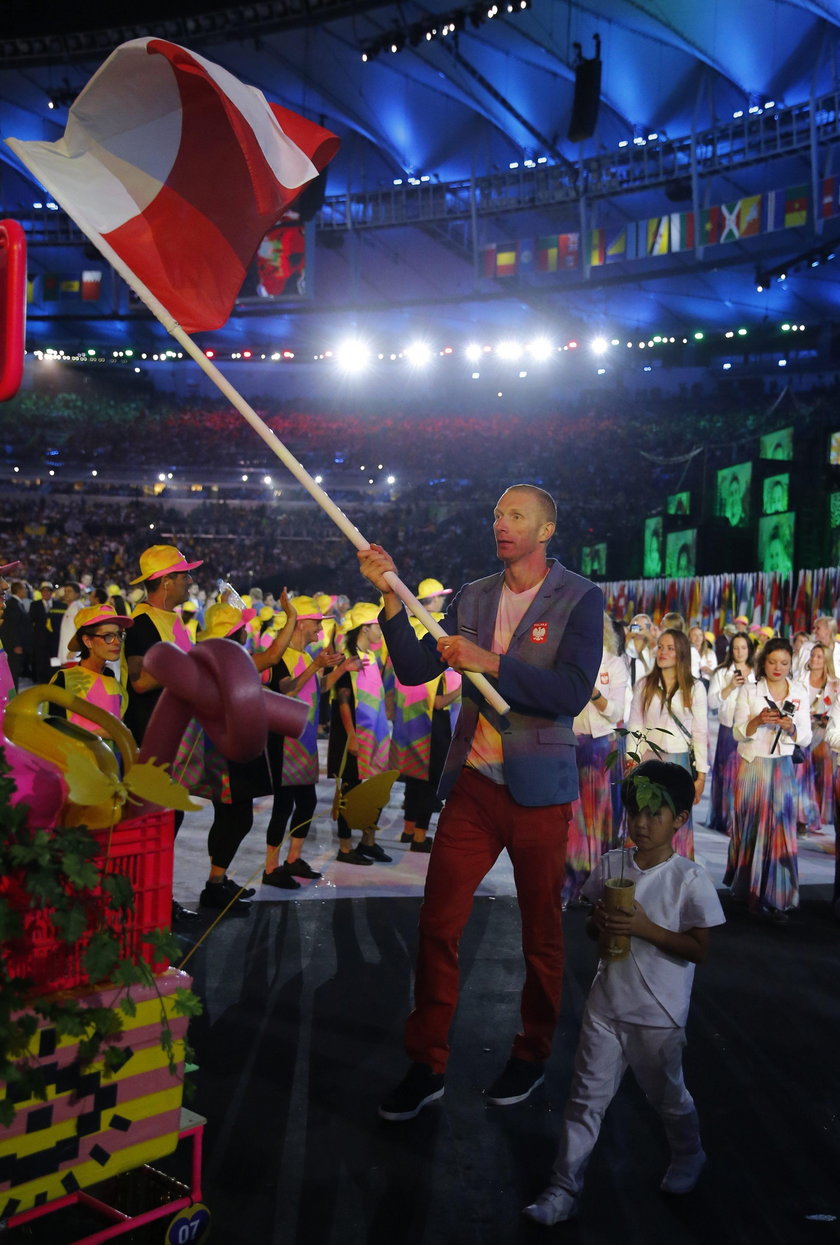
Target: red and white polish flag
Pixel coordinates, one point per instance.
(180, 169)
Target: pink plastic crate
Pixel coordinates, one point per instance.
(141, 849)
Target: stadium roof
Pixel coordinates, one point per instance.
(700, 106)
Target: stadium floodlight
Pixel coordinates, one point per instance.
(540, 349)
(352, 355)
(600, 345)
(509, 350)
(391, 480)
(473, 352)
(418, 354)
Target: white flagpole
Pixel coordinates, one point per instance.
(285, 455)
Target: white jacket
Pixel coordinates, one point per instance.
(611, 682)
(752, 698)
(657, 721)
(725, 705)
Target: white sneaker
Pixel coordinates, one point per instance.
(554, 1205)
(683, 1173)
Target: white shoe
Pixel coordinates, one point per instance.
(554, 1205)
(683, 1173)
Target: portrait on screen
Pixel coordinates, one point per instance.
(775, 493)
(775, 543)
(733, 494)
(678, 503)
(777, 445)
(681, 554)
(594, 560)
(653, 547)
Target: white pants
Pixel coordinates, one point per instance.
(605, 1050)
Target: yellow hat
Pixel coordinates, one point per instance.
(324, 601)
(359, 615)
(221, 621)
(160, 560)
(431, 588)
(114, 590)
(768, 631)
(246, 600)
(92, 615)
(266, 614)
(306, 607)
(189, 605)
(710, 636)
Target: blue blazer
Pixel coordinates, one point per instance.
(546, 676)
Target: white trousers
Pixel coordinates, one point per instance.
(605, 1050)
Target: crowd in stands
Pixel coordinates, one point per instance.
(608, 462)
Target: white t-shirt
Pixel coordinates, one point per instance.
(650, 987)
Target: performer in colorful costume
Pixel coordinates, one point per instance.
(98, 638)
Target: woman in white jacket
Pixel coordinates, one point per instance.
(726, 682)
(591, 825)
(669, 707)
(771, 717)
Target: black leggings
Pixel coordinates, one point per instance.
(421, 801)
(297, 803)
(231, 822)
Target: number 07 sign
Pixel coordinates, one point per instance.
(189, 1226)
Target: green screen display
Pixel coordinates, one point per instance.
(777, 445)
(681, 554)
(733, 494)
(776, 493)
(775, 543)
(653, 547)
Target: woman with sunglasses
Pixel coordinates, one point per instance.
(95, 678)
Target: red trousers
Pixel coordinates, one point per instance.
(479, 820)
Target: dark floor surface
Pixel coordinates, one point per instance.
(304, 1004)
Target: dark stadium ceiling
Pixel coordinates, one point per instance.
(492, 94)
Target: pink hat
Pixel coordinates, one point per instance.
(8, 567)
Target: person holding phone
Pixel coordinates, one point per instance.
(731, 675)
(771, 717)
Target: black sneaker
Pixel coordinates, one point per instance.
(300, 869)
(421, 845)
(233, 888)
(281, 878)
(518, 1080)
(374, 852)
(217, 896)
(419, 1086)
(180, 913)
(352, 858)
(407, 837)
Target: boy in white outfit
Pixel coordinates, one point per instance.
(637, 1008)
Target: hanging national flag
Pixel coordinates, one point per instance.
(796, 206)
(59, 286)
(526, 255)
(828, 199)
(709, 226)
(615, 245)
(568, 251)
(91, 284)
(682, 231)
(507, 259)
(546, 253)
(741, 219)
(597, 247)
(488, 261)
(181, 170)
(774, 210)
(656, 235)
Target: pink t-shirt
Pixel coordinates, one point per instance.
(486, 751)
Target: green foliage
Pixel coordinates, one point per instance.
(59, 870)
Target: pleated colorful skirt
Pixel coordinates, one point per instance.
(762, 868)
(724, 772)
(591, 823)
(815, 783)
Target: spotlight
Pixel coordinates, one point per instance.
(540, 349)
(418, 354)
(352, 355)
(509, 350)
(600, 345)
(473, 353)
